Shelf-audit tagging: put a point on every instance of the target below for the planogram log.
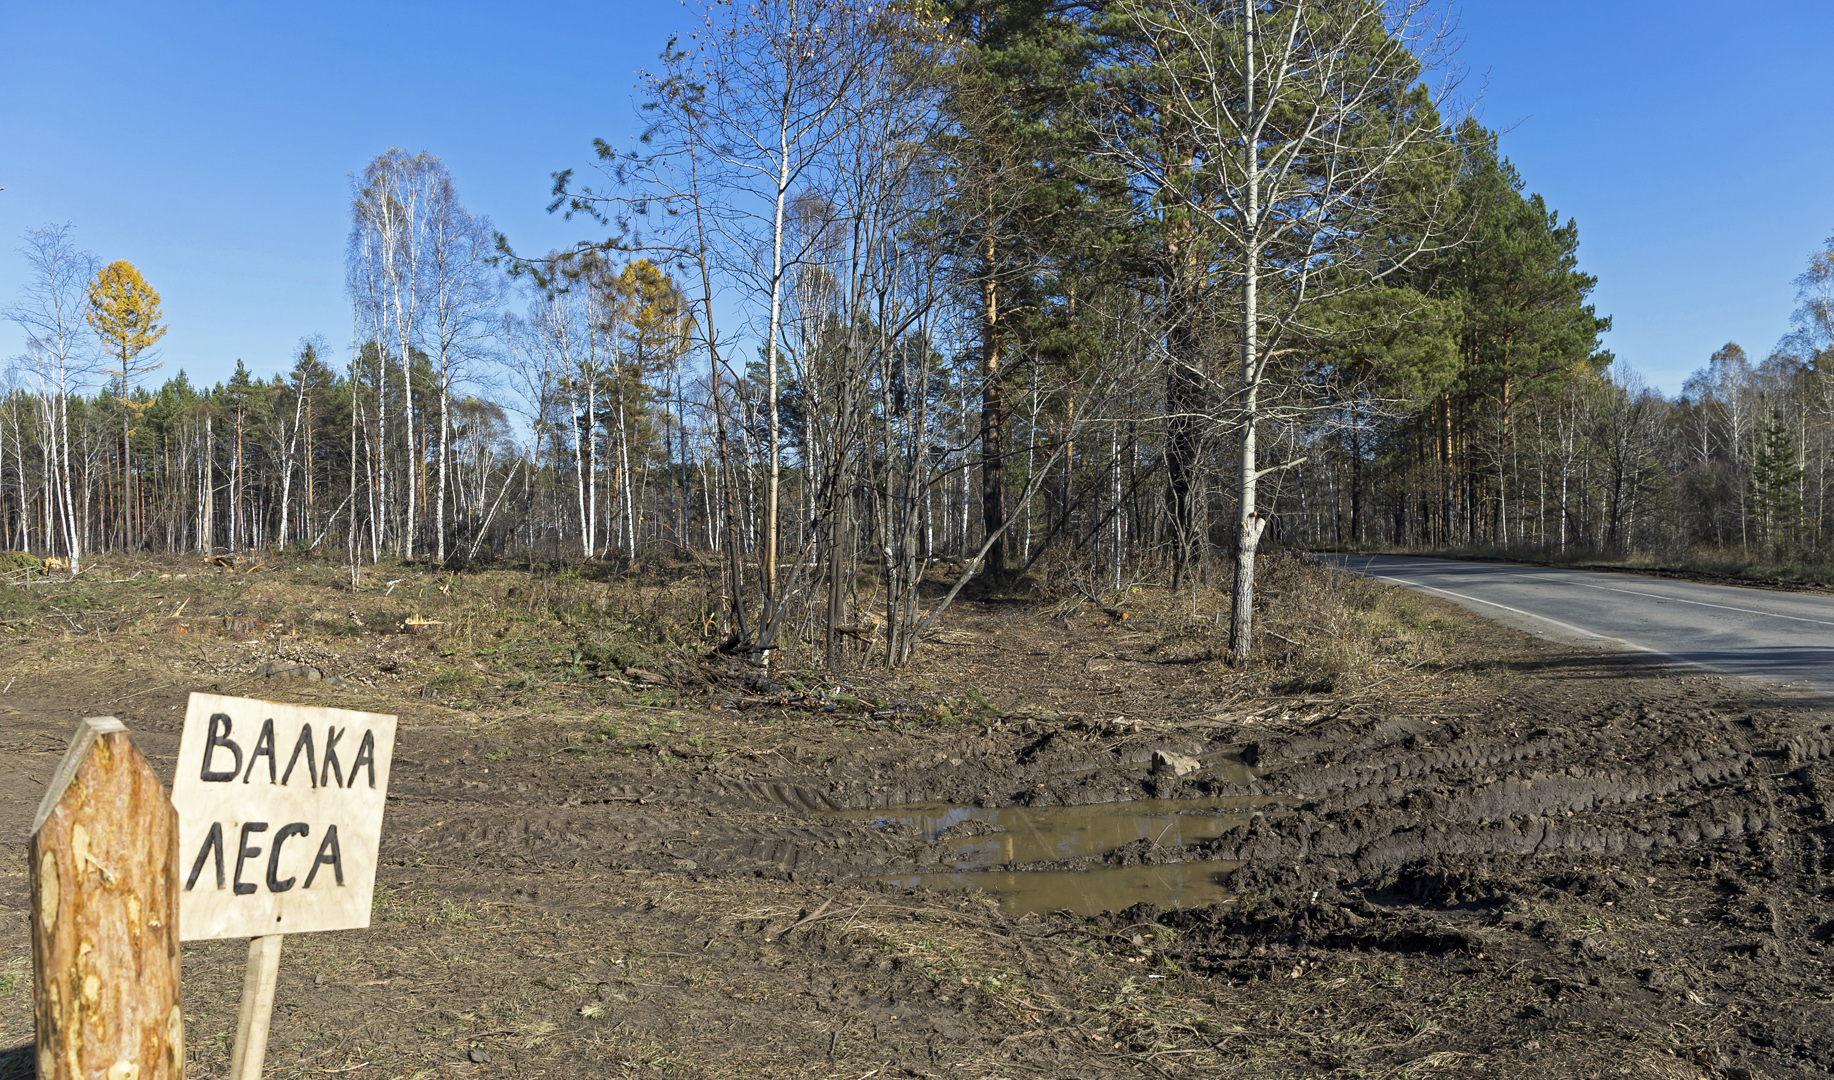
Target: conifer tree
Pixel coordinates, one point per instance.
(1776, 487)
(1017, 215)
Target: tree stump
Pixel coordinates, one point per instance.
(104, 862)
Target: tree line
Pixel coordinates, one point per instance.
(1539, 442)
(1103, 294)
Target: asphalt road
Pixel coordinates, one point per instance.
(1779, 636)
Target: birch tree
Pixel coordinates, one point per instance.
(776, 74)
(671, 188)
(389, 241)
(463, 296)
(1309, 138)
(566, 371)
(51, 312)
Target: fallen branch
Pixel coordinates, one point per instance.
(799, 922)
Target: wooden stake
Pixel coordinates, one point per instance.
(104, 862)
(257, 1007)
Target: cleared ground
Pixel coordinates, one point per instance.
(1494, 855)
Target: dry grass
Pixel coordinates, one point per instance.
(1326, 630)
(1318, 630)
(469, 638)
(1755, 565)
(585, 636)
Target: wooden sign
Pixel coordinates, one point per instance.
(105, 988)
(279, 816)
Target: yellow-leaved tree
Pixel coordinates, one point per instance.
(654, 324)
(124, 313)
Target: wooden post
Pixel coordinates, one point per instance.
(104, 863)
(257, 1007)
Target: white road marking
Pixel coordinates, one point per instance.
(1541, 579)
(1701, 603)
(1518, 611)
(1369, 571)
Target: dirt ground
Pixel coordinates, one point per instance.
(1488, 856)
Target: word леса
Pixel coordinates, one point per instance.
(328, 855)
(330, 774)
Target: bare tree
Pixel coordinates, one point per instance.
(287, 435)
(571, 356)
(774, 77)
(51, 313)
(1727, 393)
(464, 294)
(388, 244)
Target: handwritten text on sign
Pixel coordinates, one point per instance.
(279, 816)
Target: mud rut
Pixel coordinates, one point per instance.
(1645, 850)
(1583, 865)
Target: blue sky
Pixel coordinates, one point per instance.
(212, 146)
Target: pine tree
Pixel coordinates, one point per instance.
(1525, 326)
(1776, 488)
(1017, 216)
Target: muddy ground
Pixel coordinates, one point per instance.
(1493, 856)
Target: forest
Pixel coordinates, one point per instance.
(1100, 294)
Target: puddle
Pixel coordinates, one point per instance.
(1089, 892)
(982, 840)
(1022, 834)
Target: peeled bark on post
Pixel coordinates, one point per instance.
(104, 863)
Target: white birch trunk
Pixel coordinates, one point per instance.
(1248, 522)
(287, 465)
